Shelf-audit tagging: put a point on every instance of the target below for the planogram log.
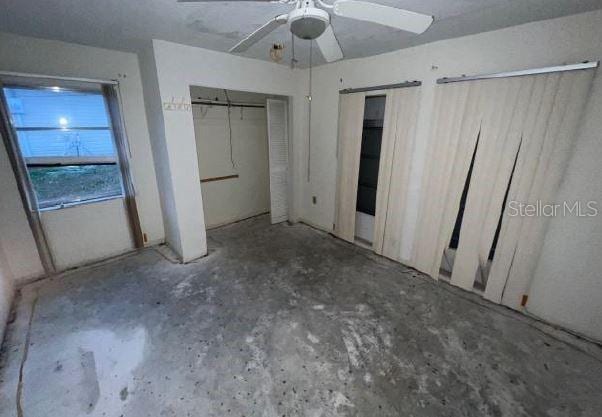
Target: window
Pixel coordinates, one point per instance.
(66, 140)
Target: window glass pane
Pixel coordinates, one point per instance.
(66, 143)
(74, 183)
(55, 108)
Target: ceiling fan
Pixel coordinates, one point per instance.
(310, 20)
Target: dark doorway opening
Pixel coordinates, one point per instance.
(370, 154)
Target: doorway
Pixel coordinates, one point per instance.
(372, 132)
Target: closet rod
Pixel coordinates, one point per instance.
(381, 87)
(226, 104)
(520, 73)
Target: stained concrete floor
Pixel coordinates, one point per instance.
(281, 321)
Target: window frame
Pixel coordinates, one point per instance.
(110, 90)
(65, 85)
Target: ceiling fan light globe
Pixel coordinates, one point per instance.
(308, 23)
(308, 28)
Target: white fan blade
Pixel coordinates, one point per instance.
(260, 33)
(329, 46)
(383, 15)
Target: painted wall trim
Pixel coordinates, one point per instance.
(54, 77)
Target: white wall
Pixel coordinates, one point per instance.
(21, 253)
(569, 39)
(6, 291)
(232, 199)
(37, 56)
(75, 240)
(177, 68)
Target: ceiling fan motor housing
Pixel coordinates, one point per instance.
(307, 21)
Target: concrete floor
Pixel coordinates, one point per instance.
(281, 321)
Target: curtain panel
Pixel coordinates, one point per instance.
(351, 122)
(401, 114)
(526, 127)
(456, 123)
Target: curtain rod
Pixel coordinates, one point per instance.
(226, 104)
(381, 87)
(53, 77)
(520, 73)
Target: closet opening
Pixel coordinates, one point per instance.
(372, 132)
(242, 151)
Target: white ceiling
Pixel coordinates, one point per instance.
(128, 24)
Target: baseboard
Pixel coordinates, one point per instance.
(314, 225)
(243, 218)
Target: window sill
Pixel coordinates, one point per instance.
(81, 203)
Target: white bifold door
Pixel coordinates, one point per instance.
(278, 148)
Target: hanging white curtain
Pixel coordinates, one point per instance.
(527, 126)
(394, 169)
(549, 133)
(457, 115)
(505, 103)
(351, 122)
